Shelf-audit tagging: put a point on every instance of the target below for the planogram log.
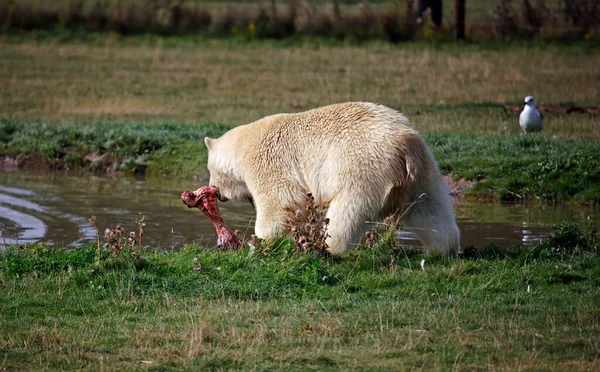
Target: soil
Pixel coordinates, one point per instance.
(105, 164)
(457, 188)
(39, 163)
(560, 109)
(33, 162)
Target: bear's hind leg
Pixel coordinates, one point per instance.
(347, 216)
(431, 217)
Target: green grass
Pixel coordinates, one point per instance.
(374, 308)
(505, 167)
(523, 167)
(129, 147)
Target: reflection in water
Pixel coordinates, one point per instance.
(29, 226)
(28, 229)
(62, 205)
(56, 208)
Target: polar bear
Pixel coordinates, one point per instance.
(360, 160)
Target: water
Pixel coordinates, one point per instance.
(55, 208)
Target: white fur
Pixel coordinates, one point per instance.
(362, 160)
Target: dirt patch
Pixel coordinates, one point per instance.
(560, 109)
(108, 164)
(9, 164)
(458, 187)
(114, 107)
(32, 162)
(39, 163)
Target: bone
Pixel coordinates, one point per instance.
(205, 199)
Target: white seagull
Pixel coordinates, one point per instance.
(531, 120)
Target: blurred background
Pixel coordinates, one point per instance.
(392, 20)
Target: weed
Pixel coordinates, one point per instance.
(116, 242)
(17, 231)
(363, 21)
(94, 224)
(114, 239)
(534, 15)
(398, 28)
(172, 18)
(568, 239)
(132, 240)
(510, 26)
(309, 227)
(382, 233)
(505, 18)
(3, 235)
(141, 226)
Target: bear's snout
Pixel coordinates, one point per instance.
(221, 197)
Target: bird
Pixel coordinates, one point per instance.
(531, 120)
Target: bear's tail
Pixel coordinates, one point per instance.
(418, 160)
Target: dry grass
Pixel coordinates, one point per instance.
(215, 82)
(309, 227)
(226, 335)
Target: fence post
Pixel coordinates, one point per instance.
(460, 19)
(409, 8)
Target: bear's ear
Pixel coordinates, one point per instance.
(209, 142)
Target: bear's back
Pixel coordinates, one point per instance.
(338, 124)
(337, 143)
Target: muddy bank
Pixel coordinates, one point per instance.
(458, 187)
(507, 168)
(35, 162)
(30, 162)
(560, 109)
(105, 164)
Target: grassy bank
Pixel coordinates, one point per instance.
(520, 168)
(376, 308)
(169, 149)
(503, 167)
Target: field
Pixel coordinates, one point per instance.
(146, 102)
(458, 89)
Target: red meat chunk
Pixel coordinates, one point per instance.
(205, 199)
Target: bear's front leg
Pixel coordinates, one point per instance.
(270, 217)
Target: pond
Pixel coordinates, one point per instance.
(55, 208)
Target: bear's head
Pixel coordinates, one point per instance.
(224, 168)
